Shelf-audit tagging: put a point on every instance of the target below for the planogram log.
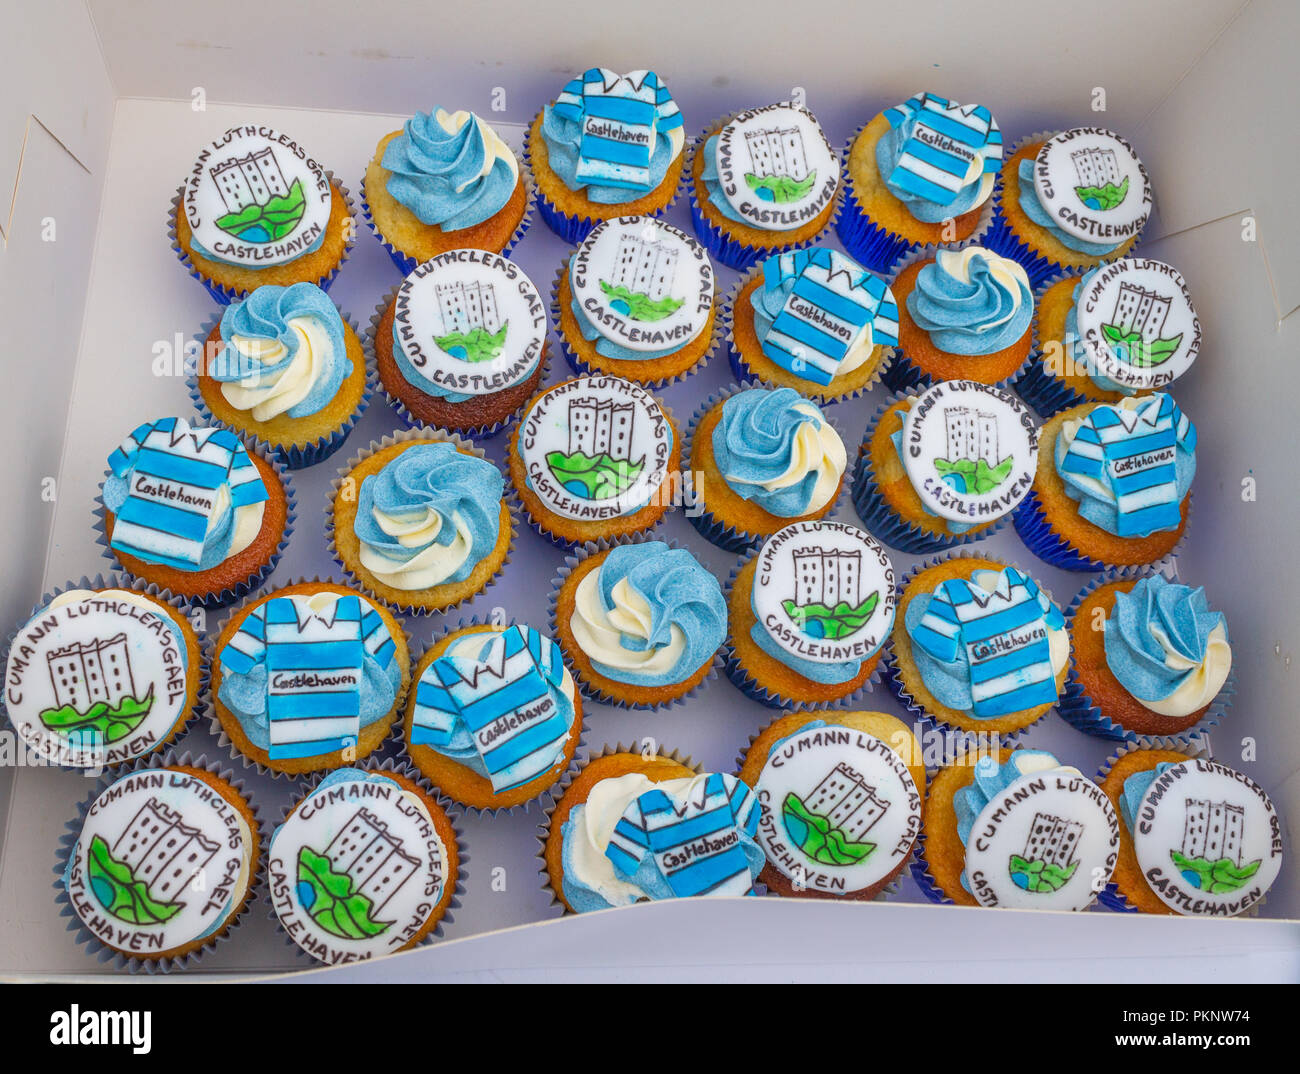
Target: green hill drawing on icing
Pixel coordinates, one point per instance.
(780, 188)
(818, 621)
(818, 838)
(329, 898)
(476, 345)
(1103, 197)
(638, 306)
(1216, 877)
(120, 893)
(108, 724)
(973, 476)
(266, 223)
(598, 478)
(1134, 350)
(1038, 875)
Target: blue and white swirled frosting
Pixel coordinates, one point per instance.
(450, 169)
(285, 352)
(1167, 647)
(429, 517)
(649, 615)
(971, 301)
(775, 448)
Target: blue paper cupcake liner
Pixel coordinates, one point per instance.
(255, 580)
(924, 878)
(137, 585)
(390, 765)
(883, 522)
(1047, 394)
(1079, 710)
(1032, 526)
(225, 295)
(406, 264)
(583, 368)
(295, 457)
(746, 375)
(589, 691)
(72, 833)
(398, 437)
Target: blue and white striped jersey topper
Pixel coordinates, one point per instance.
(313, 648)
(696, 843)
(502, 703)
(831, 301)
(179, 481)
(620, 117)
(1001, 629)
(1130, 452)
(947, 142)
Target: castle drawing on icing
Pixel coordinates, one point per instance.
(1048, 860)
(598, 464)
(140, 877)
(347, 885)
(830, 823)
(779, 170)
(94, 688)
(642, 277)
(471, 323)
(1210, 856)
(971, 465)
(261, 205)
(1099, 184)
(1134, 330)
(828, 600)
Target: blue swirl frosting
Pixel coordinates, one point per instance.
(1135, 789)
(450, 170)
(713, 185)
(266, 314)
(971, 302)
(1033, 208)
(563, 138)
(889, 150)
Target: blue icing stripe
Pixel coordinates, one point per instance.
(265, 314)
(584, 899)
(978, 317)
(1033, 208)
(1130, 467)
(502, 711)
(753, 444)
(304, 674)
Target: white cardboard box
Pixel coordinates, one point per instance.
(98, 122)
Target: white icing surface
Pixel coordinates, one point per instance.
(428, 568)
(1089, 157)
(270, 397)
(1198, 689)
(817, 449)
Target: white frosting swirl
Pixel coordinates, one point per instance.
(600, 633)
(428, 568)
(268, 395)
(1009, 274)
(818, 449)
(494, 146)
(248, 521)
(1200, 688)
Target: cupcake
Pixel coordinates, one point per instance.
(841, 797)
(420, 523)
(761, 459)
(1070, 201)
(1122, 329)
(445, 181)
(1020, 830)
(1113, 485)
(191, 509)
(918, 174)
(634, 829)
(1150, 659)
(595, 457)
(763, 181)
(1196, 838)
(162, 863)
(364, 865)
(978, 646)
(102, 673)
(283, 366)
(807, 615)
(309, 677)
(610, 145)
(495, 717)
(962, 315)
(944, 467)
(639, 623)
(256, 208)
(815, 321)
(461, 344)
(637, 299)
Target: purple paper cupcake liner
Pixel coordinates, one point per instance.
(225, 295)
(1078, 708)
(406, 264)
(255, 580)
(295, 457)
(137, 585)
(1032, 526)
(883, 522)
(390, 765)
(589, 691)
(68, 841)
(924, 878)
